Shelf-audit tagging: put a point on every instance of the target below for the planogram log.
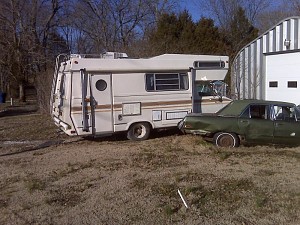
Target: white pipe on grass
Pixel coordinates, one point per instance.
(184, 202)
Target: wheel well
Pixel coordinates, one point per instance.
(135, 122)
(228, 132)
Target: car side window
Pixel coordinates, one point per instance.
(284, 113)
(297, 113)
(259, 112)
(246, 113)
(256, 112)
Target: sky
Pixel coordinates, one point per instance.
(196, 13)
(192, 8)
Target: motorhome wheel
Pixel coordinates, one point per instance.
(138, 132)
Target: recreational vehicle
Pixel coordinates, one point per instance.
(113, 93)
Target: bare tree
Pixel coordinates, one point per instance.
(27, 25)
(223, 11)
(115, 25)
(278, 12)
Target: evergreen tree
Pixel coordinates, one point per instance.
(165, 36)
(179, 34)
(207, 37)
(241, 32)
(186, 36)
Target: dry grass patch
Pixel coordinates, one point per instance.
(4, 202)
(157, 159)
(136, 182)
(33, 184)
(71, 168)
(139, 183)
(112, 165)
(64, 197)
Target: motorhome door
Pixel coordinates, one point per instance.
(101, 93)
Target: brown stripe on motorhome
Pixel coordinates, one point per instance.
(79, 108)
(117, 106)
(210, 101)
(103, 106)
(166, 104)
(147, 105)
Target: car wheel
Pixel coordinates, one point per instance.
(138, 131)
(226, 140)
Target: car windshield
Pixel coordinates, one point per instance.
(205, 88)
(211, 88)
(234, 108)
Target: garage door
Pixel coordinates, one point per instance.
(283, 77)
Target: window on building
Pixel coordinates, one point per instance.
(273, 84)
(292, 84)
(166, 81)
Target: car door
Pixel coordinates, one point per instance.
(255, 124)
(286, 126)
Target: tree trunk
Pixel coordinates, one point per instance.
(21, 93)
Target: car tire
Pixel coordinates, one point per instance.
(138, 131)
(223, 139)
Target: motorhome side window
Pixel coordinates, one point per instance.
(167, 81)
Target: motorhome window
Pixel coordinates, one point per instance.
(292, 84)
(209, 64)
(184, 81)
(166, 82)
(273, 84)
(101, 85)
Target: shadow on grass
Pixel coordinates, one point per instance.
(45, 144)
(18, 110)
(121, 136)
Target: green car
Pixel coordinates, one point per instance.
(250, 121)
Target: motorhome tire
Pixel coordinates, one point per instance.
(223, 139)
(138, 132)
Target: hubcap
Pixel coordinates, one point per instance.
(226, 141)
(138, 131)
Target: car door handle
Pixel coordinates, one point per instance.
(244, 121)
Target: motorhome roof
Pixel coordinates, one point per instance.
(166, 62)
(189, 57)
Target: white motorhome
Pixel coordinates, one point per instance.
(112, 93)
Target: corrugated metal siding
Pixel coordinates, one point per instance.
(248, 70)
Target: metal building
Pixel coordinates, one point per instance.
(269, 67)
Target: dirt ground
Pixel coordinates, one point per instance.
(49, 178)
